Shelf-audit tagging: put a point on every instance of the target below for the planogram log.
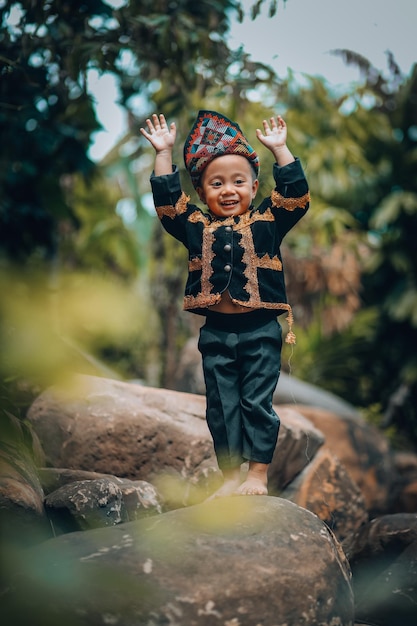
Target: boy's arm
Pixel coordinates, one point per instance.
(162, 138)
(274, 138)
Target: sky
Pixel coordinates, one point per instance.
(300, 36)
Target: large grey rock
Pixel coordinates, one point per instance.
(242, 561)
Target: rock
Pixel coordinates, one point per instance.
(298, 442)
(53, 478)
(325, 488)
(123, 429)
(363, 451)
(85, 504)
(103, 501)
(151, 434)
(140, 497)
(384, 564)
(241, 561)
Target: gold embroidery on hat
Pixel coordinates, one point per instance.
(289, 204)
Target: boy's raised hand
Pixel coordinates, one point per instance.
(275, 133)
(159, 134)
(274, 138)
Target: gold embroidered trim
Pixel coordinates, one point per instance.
(181, 205)
(198, 216)
(250, 260)
(200, 301)
(195, 264)
(208, 255)
(290, 338)
(247, 219)
(271, 264)
(167, 210)
(289, 204)
(172, 211)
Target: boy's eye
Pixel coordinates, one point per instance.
(239, 181)
(216, 183)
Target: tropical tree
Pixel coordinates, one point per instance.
(55, 211)
(358, 293)
(47, 114)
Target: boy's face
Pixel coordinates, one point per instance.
(228, 186)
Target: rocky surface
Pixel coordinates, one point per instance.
(117, 452)
(233, 561)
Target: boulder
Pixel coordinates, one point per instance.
(85, 504)
(325, 488)
(362, 450)
(127, 430)
(237, 561)
(298, 442)
(160, 436)
(99, 501)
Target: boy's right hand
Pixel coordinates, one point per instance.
(159, 134)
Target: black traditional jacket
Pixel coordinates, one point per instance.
(240, 254)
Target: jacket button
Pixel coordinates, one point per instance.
(228, 229)
(227, 268)
(227, 247)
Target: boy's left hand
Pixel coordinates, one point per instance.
(275, 133)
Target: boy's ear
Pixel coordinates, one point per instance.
(255, 186)
(201, 194)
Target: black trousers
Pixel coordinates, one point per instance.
(241, 363)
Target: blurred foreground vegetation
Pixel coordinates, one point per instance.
(91, 283)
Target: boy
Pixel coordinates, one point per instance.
(235, 277)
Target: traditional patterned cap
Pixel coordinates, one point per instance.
(211, 136)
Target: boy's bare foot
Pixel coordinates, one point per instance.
(256, 483)
(231, 483)
(252, 487)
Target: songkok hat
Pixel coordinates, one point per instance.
(211, 136)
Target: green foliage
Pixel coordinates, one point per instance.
(47, 115)
(361, 160)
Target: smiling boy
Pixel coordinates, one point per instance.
(235, 277)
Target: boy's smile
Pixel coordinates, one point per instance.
(228, 185)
